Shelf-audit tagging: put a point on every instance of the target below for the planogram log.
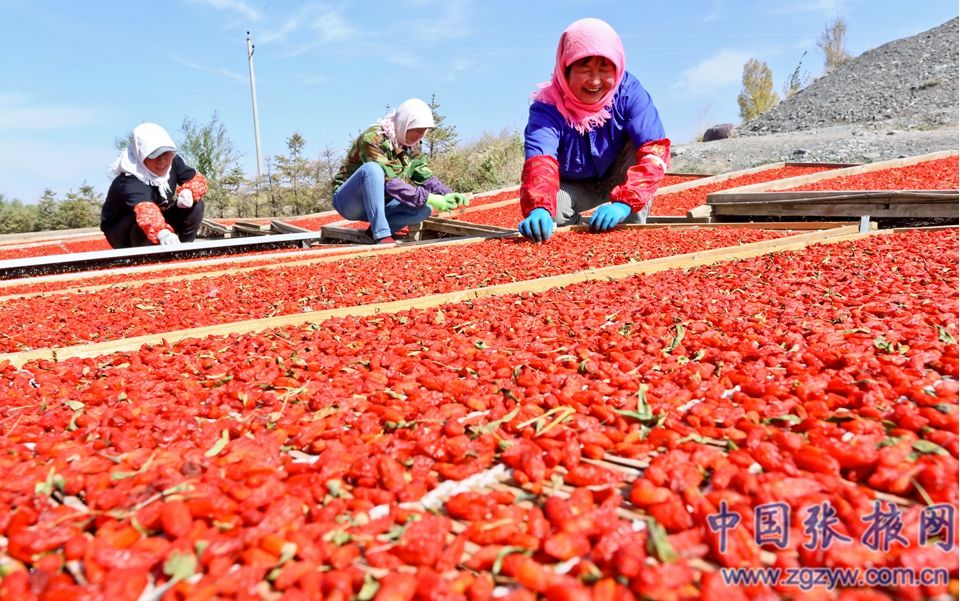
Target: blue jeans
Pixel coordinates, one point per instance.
(363, 198)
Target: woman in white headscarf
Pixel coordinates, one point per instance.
(385, 180)
(154, 198)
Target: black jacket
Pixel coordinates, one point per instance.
(126, 191)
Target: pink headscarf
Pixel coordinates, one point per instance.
(586, 37)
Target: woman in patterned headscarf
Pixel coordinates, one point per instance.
(385, 180)
(593, 136)
(154, 198)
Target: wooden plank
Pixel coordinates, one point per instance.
(49, 236)
(282, 227)
(450, 226)
(246, 228)
(676, 174)
(754, 225)
(671, 219)
(213, 226)
(346, 234)
(818, 164)
(837, 197)
(700, 212)
(831, 210)
(878, 203)
(793, 182)
(527, 286)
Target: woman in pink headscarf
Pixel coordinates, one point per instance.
(593, 139)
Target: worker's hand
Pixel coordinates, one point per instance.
(538, 225)
(608, 216)
(460, 199)
(168, 238)
(185, 198)
(441, 203)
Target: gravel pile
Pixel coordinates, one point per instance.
(900, 99)
(910, 83)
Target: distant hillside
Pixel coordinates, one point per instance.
(912, 82)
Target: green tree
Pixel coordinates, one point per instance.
(441, 138)
(79, 209)
(322, 171)
(294, 171)
(210, 151)
(757, 95)
(16, 217)
(832, 42)
(798, 79)
(47, 217)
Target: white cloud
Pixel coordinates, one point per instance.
(319, 24)
(19, 113)
(237, 6)
(313, 79)
(332, 27)
(716, 12)
(461, 66)
(448, 21)
(289, 26)
(217, 71)
(721, 69)
(404, 59)
(827, 7)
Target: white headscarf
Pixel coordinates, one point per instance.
(146, 139)
(411, 114)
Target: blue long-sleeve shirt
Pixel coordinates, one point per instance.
(589, 156)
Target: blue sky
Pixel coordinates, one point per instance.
(77, 75)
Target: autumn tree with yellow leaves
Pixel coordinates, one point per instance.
(757, 95)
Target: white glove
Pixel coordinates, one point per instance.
(168, 238)
(185, 199)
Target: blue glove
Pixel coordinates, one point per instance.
(538, 225)
(608, 216)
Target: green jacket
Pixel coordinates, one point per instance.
(373, 145)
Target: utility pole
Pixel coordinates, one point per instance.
(256, 118)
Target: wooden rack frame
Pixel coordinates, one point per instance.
(778, 199)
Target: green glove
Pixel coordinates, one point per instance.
(460, 199)
(441, 203)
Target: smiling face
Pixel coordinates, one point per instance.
(591, 78)
(161, 165)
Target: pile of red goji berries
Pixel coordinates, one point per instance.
(75, 318)
(316, 222)
(678, 203)
(22, 251)
(940, 174)
(672, 179)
